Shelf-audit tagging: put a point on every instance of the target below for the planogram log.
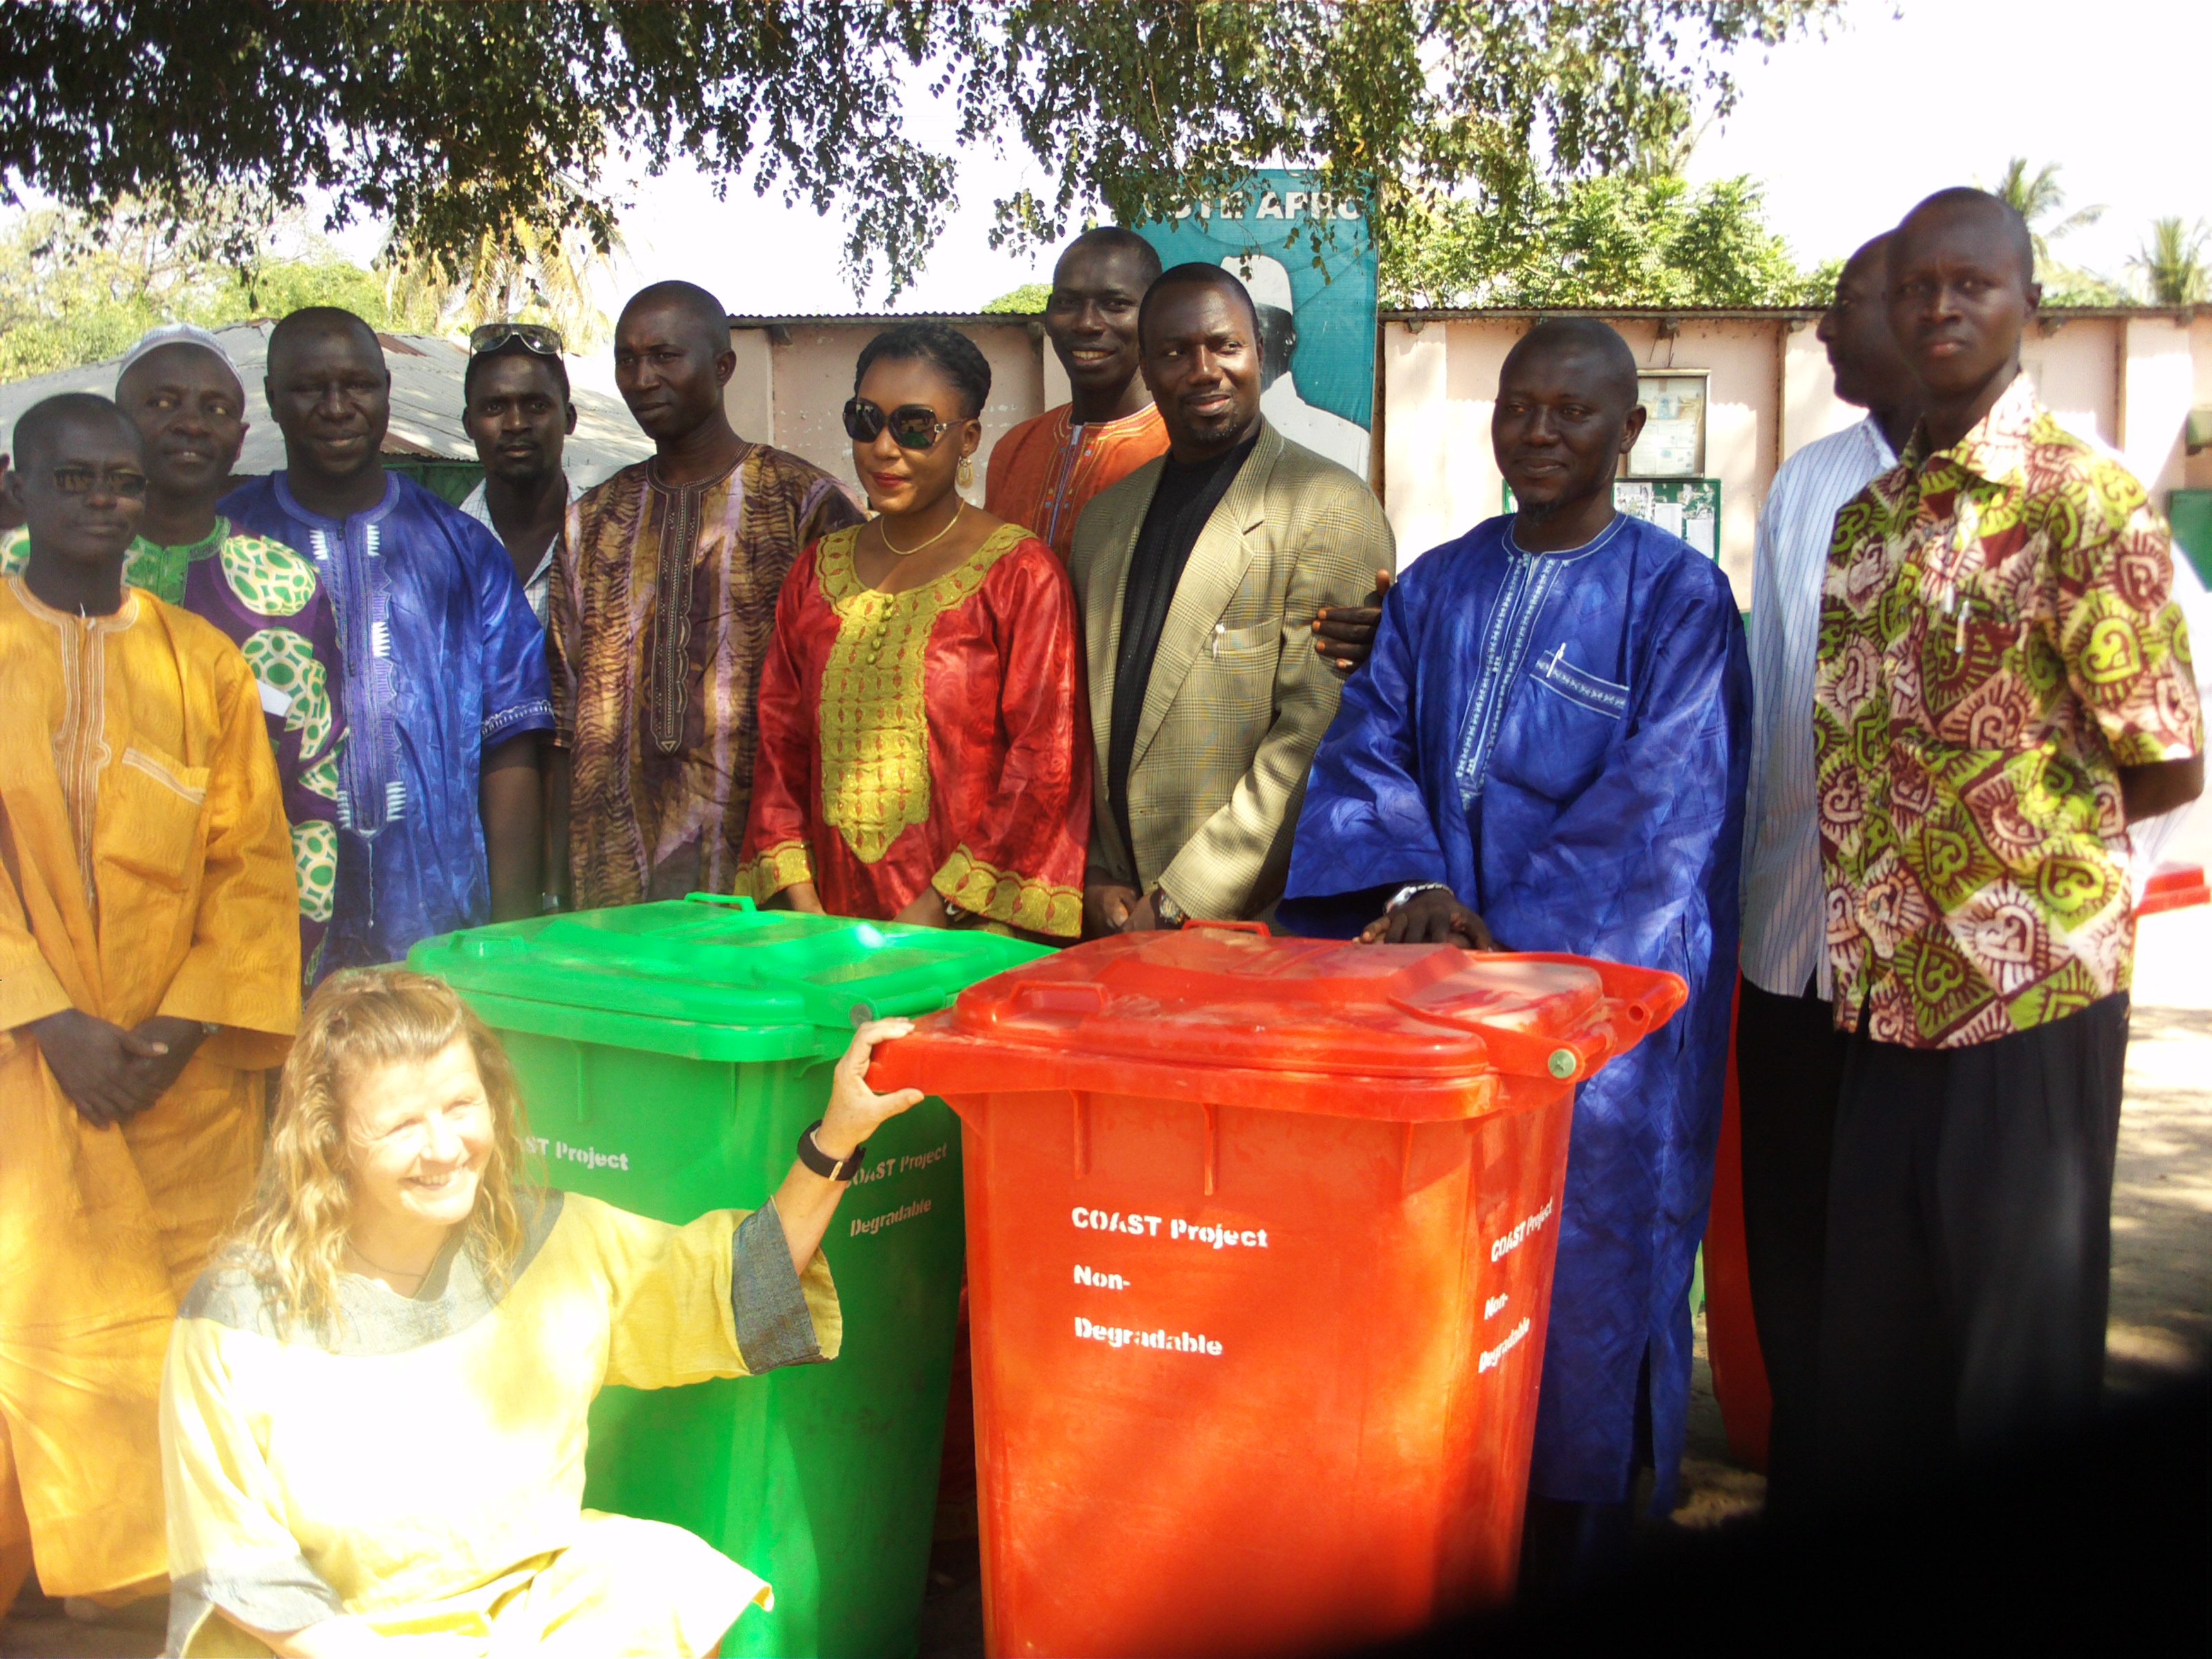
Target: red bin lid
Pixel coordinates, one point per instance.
(1215, 998)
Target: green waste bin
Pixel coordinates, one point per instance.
(669, 1054)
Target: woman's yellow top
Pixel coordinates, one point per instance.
(422, 1467)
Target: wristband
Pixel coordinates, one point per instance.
(1405, 893)
(1166, 910)
(822, 1164)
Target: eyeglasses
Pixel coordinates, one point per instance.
(73, 480)
(532, 336)
(914, 426)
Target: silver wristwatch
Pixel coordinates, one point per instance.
(1411, 888)
(1166, 910)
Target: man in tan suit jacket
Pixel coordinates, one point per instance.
(1199, 577)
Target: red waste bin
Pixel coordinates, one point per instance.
(1260, 1242)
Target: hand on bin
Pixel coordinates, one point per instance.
(807, 1200)
(1107, 907)
(1433, 917)
(856, 1110)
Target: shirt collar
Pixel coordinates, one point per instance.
(1613, 528)
(291, 503)
(1995, 448)
(477, 508)
(1144, 417)
(191, 552)
(123, 617)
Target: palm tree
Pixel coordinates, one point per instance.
(2172, 263)
(535, 273)
(2036, 198)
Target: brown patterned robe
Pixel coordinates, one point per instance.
(663, 602)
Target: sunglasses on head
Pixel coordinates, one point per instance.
(73, 480)
(914, 426)
(533, 336)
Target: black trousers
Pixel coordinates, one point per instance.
(1789, 1069)
(1969, 1244)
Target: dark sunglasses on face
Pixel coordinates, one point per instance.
(534, 336)
(914, 426)
(73, 480)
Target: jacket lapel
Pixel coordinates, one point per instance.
(1218, 559)
(1101, 617)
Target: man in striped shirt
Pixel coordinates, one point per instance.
(1789, 1053)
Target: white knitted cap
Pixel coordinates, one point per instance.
(169, 334)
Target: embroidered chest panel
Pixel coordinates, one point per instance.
(873, 721)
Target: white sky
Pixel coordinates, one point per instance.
(1850, 131)
(1847, 132)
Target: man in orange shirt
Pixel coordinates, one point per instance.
(1046, 469)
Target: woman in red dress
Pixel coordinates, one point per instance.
(924, 755)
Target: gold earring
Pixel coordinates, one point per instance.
(967, 473)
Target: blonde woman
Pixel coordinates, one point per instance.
(372, 1418)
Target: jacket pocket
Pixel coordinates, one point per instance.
(1245, 648)
(153, 818)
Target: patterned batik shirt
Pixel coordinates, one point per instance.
(664, 599)
(268, 602)
(443, 663)
(1998, 638)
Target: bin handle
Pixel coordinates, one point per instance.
(1048, 996)
(1640, 1000)
(1566, 1059)
(741, 901)
(1259, 928)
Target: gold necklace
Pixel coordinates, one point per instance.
(396, 1272)
(897, 551)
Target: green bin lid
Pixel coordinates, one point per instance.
(709, 978)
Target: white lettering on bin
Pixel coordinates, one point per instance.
(590, 1157)
(1120, 1336)
(875, 1224)
(1513, 1340)
(1113, 1221)
(902, 1165)
(1092, 1277)
(1148, 1226)
(1501, 1248)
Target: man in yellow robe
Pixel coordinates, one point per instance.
(149, 969)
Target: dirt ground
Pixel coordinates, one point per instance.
(2161, 1316)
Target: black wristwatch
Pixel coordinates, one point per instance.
(822, 1164)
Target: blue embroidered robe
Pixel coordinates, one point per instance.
(1564, 739)
(444, 660)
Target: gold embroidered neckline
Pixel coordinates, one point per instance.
(841, 583)
(873, 725)
(114, 621)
